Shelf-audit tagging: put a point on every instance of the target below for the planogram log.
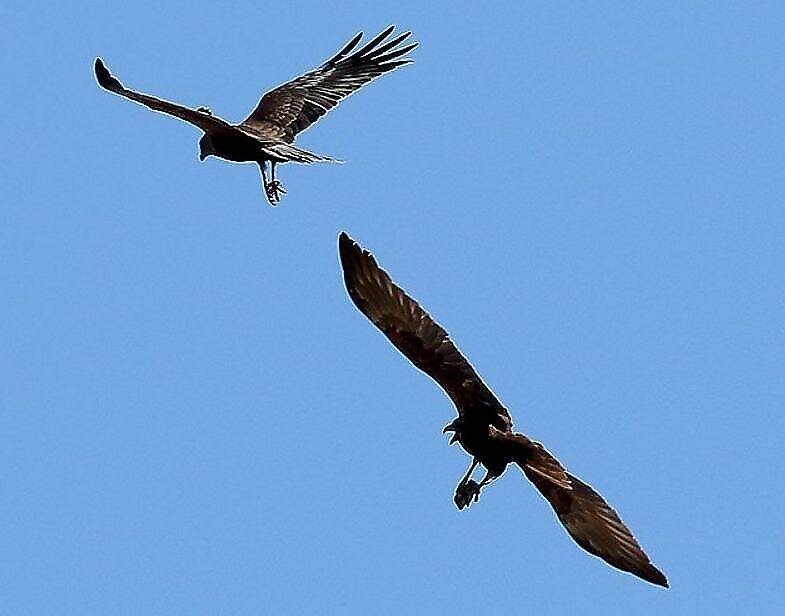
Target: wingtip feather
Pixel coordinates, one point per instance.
(346, 48)
(655, 576)
(105, 79)
(101, 72)
(346, 245)
(374, 42)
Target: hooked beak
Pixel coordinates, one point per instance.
(451, 427)
(202, 156)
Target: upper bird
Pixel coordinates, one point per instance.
(268, 133)
(483, 426)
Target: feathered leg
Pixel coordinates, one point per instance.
(271, 187)
(275, 185)
(468, 474)
(263, 169)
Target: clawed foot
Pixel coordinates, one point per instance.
(205, 110)
(466, 494)
(274, 191)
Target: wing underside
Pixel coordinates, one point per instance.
(411, 330)
(587, 517)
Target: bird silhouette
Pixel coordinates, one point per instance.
(267, 135)
(483, 427)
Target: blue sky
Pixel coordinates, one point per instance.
(195, 418)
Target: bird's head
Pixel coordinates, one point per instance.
(455, 428)
(205, 147)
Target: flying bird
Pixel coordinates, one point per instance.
(483, 427)
(267, 135)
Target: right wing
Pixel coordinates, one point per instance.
(587, 517)
(295, 105)
(413, 332)
(203, 120)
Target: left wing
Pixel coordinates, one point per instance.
(203, 120)
(296, 105)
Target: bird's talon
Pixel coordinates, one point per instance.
(273, 189)
(466, 494)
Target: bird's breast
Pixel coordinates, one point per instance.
(475, 440)
(235, 146)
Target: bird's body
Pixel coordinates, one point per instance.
(233, 145)
(483, 427)
(267, 135)
(471, 430)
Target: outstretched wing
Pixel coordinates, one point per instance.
(591, 521)
(296, 105)
(203, 120)
(415, 334)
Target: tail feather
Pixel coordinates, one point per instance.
(292, 154)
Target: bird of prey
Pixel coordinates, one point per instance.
(483, 426)
(267, 135)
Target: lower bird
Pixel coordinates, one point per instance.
(483, 426)
(267, 135)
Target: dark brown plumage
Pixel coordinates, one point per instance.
(483, 426)
(268, 133)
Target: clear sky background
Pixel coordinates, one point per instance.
(196, 420)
